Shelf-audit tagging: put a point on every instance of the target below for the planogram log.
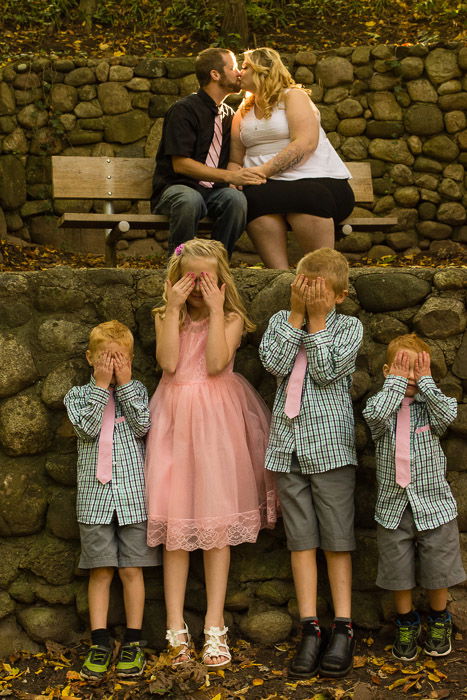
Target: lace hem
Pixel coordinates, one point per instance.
(210, 533)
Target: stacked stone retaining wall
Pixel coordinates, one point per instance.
(402, 108)
(45, 320)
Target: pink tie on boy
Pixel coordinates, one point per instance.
(295, 385)
(106, 438)
(214, 153)
(403, 444)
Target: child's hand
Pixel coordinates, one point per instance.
(122, 368)
(178, 293)
(320, 300)
(298, 294)
(103, 369)
(422, 366)
(214, 296)
(400, 366)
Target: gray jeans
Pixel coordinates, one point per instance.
(185, 206)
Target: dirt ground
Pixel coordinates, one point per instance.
(256, 673)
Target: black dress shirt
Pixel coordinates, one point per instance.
(187, 132)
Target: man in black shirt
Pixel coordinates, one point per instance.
(185, 188)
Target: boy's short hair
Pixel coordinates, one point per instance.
(410, 341)
(110, 330)
(327, 263)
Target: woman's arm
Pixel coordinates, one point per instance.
(237, 149)
(303, 120)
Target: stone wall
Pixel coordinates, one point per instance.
(46, 317)
(401, 108)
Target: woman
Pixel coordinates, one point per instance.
(276, 132)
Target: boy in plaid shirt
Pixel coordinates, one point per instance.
(415, 509)
(312, 351)
(110, 416)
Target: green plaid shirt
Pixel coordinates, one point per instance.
(124, 494)
(323, 434)
(428, 493)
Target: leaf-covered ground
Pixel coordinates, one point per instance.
(257, 673)
(282, 26)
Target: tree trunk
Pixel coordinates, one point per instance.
(87, 9)
(235, 20)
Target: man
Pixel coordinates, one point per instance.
(191, 180)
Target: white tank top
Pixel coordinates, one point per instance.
(264, 138)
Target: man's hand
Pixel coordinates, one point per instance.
(400, 366)
(245, 176)
(122, 368)
(422, 366)
(103, 369)
(178, 293)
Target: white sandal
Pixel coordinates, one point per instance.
(183, 644)
(214, 647)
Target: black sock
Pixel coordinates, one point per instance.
(101, 637)
(411, 617)
(310, 625)
(437, 614)
(344, 624)
(132, 635)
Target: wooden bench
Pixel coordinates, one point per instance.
(109, 179)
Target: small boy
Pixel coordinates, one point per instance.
(110, 416)
(312, 351)
(415, 509)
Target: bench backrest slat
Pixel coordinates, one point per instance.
(97, 177)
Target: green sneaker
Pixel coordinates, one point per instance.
(405, 644)
(438, 636)
(96, 663)
(132, 660)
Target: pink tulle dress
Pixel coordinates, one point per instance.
(205, 480)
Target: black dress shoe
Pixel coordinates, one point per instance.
(305, 663)
(337, 660)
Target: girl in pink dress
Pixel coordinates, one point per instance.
(206, 485)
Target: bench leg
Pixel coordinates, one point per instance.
(111, 238)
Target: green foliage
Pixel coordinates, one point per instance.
(31, 12)
(196, 15)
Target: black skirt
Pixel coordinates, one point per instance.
(326, 197)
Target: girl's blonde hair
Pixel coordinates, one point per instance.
(200, 248)
(270, 78)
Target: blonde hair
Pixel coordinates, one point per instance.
(110, 330)
(410, 341)
(270, 78)
(200, 248)
(327, 263)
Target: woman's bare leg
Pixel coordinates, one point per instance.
(269, 235)
(312, 232)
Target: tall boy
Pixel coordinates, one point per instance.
(110, 416)
(312, 352)
(415, 509)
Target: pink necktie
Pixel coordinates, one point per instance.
(295, 385)
(214, 153)
(403, 444)
(106, 438)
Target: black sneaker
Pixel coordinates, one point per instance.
(438, 636)
(405, 645)
(337, 660)
(132, 660)
(96, 663)
(305, 663)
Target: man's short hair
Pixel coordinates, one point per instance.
(410, 341)
(208, 60)
(327, 263)
(108, 331)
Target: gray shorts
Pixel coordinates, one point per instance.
(116, 545)
(408, 555)
(318, 509)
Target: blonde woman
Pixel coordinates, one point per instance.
(276, 132)
(205, 479)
